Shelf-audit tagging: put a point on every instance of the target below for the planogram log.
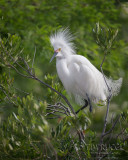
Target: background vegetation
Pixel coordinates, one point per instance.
(25, 130)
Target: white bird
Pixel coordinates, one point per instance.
(78, 75)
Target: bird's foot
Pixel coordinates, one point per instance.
(86, 104)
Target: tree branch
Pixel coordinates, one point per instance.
(113, 126)
(32, 76)
(107, 111)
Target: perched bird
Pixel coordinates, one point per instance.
(78, 75)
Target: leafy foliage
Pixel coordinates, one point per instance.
(104, 37)
(24, 133)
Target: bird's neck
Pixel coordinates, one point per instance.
(62, 68)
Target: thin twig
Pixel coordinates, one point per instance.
(66, 108)
(9, 99)
(53, 117)
(53, 113)
(11, 56)
(122, 131)
(23, 75)
(21, 90)
(57, 108)
(27, 66)
(113, 126)
(34, 57)
(103, 72)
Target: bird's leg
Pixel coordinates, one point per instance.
(86, 104)
(90, 105)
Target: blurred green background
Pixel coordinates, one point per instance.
(33, 21)
(25, 26)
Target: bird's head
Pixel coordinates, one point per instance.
(61, 42)
(57, 53)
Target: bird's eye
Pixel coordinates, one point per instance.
(59, 49)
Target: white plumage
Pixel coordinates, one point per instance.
(79, 77)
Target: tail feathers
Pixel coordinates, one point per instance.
(115, 86)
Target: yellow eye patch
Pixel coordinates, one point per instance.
(59, 49)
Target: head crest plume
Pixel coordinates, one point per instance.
(64, 38)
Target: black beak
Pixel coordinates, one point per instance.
(55, 53)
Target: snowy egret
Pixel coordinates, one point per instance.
(78, 75)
